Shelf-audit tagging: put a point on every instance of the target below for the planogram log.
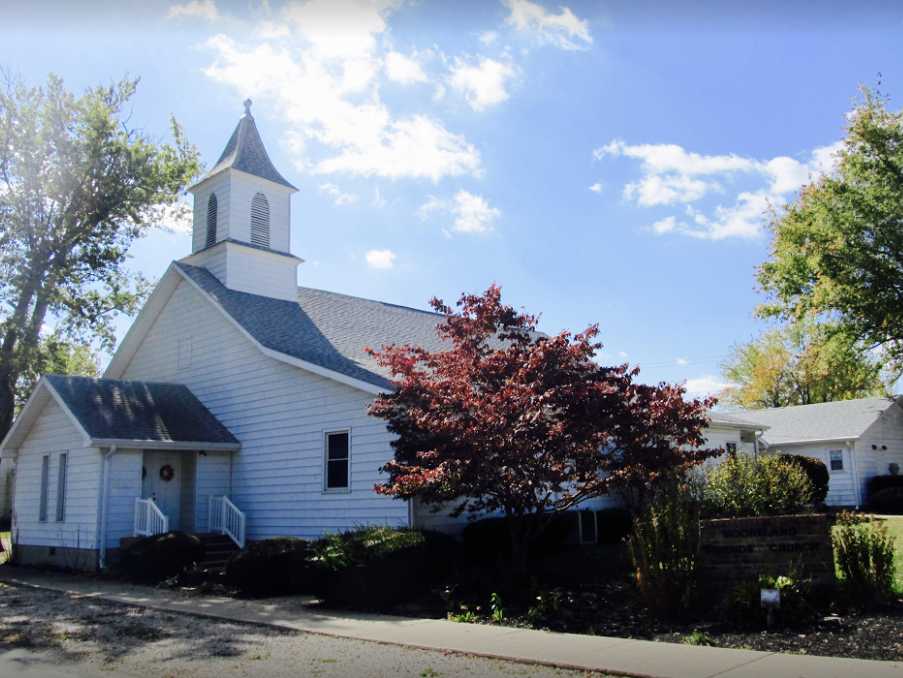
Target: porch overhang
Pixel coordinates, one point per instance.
(175, 445)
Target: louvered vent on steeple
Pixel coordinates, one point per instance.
(260, 221)
(211, 221)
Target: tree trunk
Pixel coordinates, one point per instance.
(7, 399)
(520, 547)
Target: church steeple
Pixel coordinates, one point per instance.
(242, 210)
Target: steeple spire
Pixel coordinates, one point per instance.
(248, 103)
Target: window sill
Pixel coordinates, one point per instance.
(337, 490)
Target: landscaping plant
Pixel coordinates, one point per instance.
(507, 419)
(743, 486)
(816, 470)
(664, 546)
(864, 551)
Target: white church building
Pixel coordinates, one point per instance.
(236, 403)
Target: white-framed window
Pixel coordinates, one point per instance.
(835, 460)
(586, 527)
(62, 473)
(45, 481)
(337, 471)
(184, 353)
(260, 220)
(211, 220)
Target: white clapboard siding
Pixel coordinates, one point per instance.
(886, 436)
(124, 487)
(213, 479)
(279, 413)
(52, 434)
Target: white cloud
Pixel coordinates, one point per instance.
(622, 354)
(200, 9)
(472, 213)
(671, 175)
(323, 81)
(380, 259)
(403, 69)
(488, 37)
(681, 361)
(336, 194)
(483, 83)
(705, 385)
(596, 187)
(564, 29)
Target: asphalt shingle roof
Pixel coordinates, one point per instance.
(839, 420)
(139, 410)
(327, 329)
(245, 151)
(726, 419)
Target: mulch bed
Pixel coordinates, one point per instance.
(614, 610)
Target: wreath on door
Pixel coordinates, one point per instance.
(167, 473)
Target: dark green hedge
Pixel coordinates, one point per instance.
(160, 556)
(489, 540)
(817, 472)
(272, 567)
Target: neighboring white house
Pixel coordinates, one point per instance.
(856, 439)
(237, 402)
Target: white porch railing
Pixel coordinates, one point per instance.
(149, 519)
(226, 518)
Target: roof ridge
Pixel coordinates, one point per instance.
(372, 301)
(889, 399)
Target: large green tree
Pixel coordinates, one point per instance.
(801, 364)
(837, 252)
(77, 186)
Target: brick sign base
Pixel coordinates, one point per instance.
(740, 549)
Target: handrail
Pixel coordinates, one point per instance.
(226, 518)
(149, 519)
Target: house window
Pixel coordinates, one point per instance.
(45, 479)
(587, 526)
(211, 220)
(731, 449)
(184, 349)
(61, 487)
(338, 449)
(260, 221)
(836, 457)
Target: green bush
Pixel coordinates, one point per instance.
(743, 607)
(817, 472)
(613, 525)
(160, 556)
(864, 551)
(377, 567)
(664, 546)
(742, 486)
(489, 541)
(889, 500)
(272, 567)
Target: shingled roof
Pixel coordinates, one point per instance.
(141, 411)
(245, 152)
(326, 329)
(839, 420)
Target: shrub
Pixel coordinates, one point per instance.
(743, 608)
(865, 558)
(817, 472)
(489, 540)
(664, 545)
(742, 486)
(272, 567)
(885, 493)
(613, 525)
(376, 567)
(889, 500)
(160, 556)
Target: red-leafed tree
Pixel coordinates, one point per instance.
(508, 419)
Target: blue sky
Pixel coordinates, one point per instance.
(604, 162)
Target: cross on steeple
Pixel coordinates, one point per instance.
(248, 103)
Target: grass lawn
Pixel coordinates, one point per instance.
(895, 527)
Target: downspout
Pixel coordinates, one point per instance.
(104, 483)
(851, 446)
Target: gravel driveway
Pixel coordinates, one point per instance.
(44, 633)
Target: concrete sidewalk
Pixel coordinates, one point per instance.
(619, 656)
